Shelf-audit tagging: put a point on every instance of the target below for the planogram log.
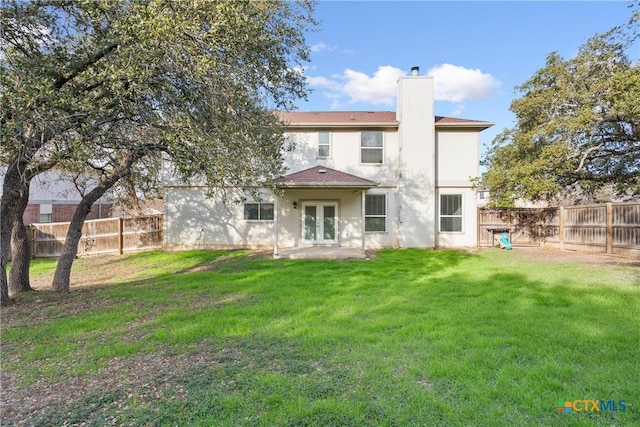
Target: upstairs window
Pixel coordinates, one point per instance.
(371, 147)
(375, 212)
(324, 145)
(46, 210)
(451, 212)
(258, 211)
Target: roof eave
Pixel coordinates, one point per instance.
(307, 125)
(475, 126)
(343, 185)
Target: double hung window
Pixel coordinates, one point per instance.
(258, 211)
(324, 145)
(451, 212)
(375, 212)
(371, 147)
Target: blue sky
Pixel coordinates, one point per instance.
(477, 51)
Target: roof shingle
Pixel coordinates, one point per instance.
(321, 176)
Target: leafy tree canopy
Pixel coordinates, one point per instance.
(82, 80)
(109, 87)
(577, 127)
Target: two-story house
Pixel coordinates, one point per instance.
(358, 179)
(54, 197)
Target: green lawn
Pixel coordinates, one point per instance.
(408, 338)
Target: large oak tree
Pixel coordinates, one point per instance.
(108, 88)
(577, 127)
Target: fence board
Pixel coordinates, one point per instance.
(612, 228)
(100, 236)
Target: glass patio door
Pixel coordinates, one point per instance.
(320, 223)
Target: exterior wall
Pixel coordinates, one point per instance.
(63, 212)
(417, 158)
(457, 154)
(345, 154)
(31, 214)
(468, 237)
(391, 237)
(349, 203)
(193, 221)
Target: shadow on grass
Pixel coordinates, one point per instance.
(389, 341)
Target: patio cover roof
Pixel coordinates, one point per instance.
(323, 177)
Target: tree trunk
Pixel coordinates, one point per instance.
(15, 196)
(62, 275)
(5, 238)
(20, 247)
(21, 260)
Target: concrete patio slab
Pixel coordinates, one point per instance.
(321, 252)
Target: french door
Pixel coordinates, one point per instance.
(320, 223)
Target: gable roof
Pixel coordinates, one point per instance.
(321, 177)
(361, 119)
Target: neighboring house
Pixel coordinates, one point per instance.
(482, 197)
(53, 197)
(361, 179)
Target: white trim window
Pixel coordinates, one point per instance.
(46, 212)
(451, 213)
(371, 147)
(258, 211)
(324, 145)
(375, 213)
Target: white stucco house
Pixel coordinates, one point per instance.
(362, 179)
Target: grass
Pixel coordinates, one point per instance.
(409, 338)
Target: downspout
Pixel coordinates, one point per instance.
(362, 215)
(399, 182)
(275, 226)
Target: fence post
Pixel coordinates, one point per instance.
(120, 237)
(478, 226)
(543, 228)
(609, 228)
(561, 227)
(32, 235)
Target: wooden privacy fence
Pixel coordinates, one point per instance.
(100, 236)
(611, 228)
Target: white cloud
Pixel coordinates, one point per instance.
(454, 83)
(451, 83)
(319, 47)
(458, 110)
(377, 90)
(323, 82)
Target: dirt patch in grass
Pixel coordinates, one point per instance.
(97, 270)
(134, 380)
(557, 255)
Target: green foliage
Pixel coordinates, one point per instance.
(86, 84)
(409, 338)
(577, 130)
(111, 88)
